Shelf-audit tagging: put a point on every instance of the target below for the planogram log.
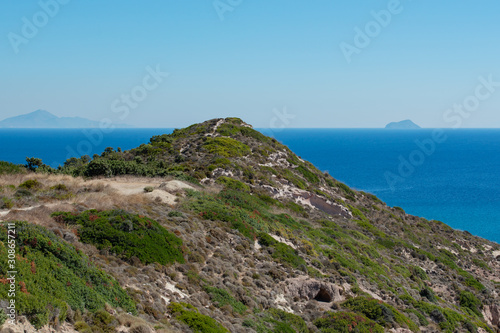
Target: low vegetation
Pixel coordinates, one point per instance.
(126, 235)
(197, 322)
(53, 276)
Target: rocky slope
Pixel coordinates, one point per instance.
(253, 239)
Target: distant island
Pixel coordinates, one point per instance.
(404, 124)
(45, 119)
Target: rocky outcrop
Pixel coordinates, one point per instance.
(492, 314)
(307, 289)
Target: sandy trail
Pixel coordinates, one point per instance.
(165, 191)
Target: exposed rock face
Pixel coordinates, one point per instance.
(492, 314)
(312, 289)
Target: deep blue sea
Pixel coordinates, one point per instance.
(453, 177)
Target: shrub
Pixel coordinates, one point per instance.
(33, 164)
(308, 174)
(175, 213)
(6, 203)
(126, 235)
(82, 327)
(103, 322)
(233, 184)
(346, 322)
(346, 189)
(429, 294)
(30, 184)
(282, 252)
(222, 297)
(399, 209)
(22, 192)
(59, 187)
(196, 321)
(418, 272)
(378, 311)
(226, 147)
(63, 277)
(149, 189)
(470, 301)
(274, 321)
(9, 168)
(294, 322)
(3, 317)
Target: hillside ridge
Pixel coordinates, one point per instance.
(257, 240)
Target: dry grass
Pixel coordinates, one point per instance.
(128, 320)
(38, 215)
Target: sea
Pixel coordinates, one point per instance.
(447, 175)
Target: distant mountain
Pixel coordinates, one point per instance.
(45, 119)
(404, 124)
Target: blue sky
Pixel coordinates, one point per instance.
(264, 57)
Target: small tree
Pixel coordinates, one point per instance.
(33, 163)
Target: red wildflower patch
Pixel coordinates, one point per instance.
(23, 287)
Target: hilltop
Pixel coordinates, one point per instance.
(404, 124)
(218, 228)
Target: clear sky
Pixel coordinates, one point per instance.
(254, 60)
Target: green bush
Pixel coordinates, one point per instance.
(149, 189)
(277, 321)
(226, 147)
(59, 187)
(102, 321)
(309, 175)
(9, 168)
(233, 184)
(222, 297)
(126, 235)
(346, 189)
(196, 321)
(470, 301)
(347, 322)
(6, 203)
(175, 213)
(22, 192)
(429, 294)
(3, 317)
(282, 252)
(82, 327)
(30, 184)
(379, 311)
(53, 275)
(294, 322)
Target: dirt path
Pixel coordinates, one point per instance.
(162, 190)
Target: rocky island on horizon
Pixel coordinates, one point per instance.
(404, 124)
(45, 119)
(218, 228)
